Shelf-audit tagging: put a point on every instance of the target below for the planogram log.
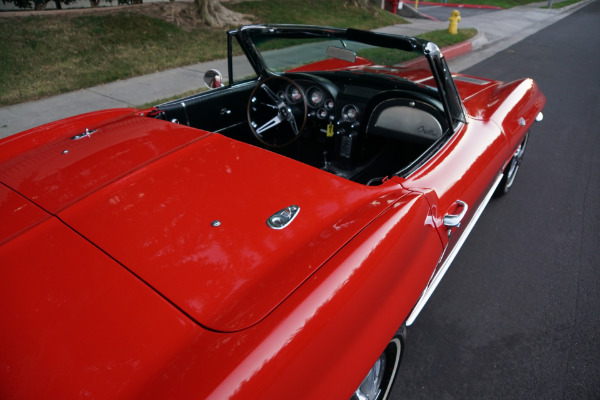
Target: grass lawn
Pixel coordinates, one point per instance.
(53, 54)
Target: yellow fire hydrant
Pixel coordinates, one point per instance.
(454, 19)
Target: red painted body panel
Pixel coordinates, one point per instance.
(276, 358)
(80, 325)
(512, 106)
(18, 214)
(124, 333)
(453, 175)
(228, 277)
(55, 179)
(470, 87)
(492, 132)
(19, 143)
(333, 64)
(170, 243)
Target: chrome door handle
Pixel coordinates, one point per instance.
(453, 220)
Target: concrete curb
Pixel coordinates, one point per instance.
(458, 49)
(455, 5)
(478, 41)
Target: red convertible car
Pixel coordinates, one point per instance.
(268, 239)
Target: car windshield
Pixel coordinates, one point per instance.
(303, 51)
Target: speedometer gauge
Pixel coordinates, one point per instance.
(293, 94)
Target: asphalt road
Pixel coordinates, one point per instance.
(517, 316)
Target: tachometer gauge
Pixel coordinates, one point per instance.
(315, 97)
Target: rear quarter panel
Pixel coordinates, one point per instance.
(512, 106)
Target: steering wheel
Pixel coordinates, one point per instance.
(277, 117)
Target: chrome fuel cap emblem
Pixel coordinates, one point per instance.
(87, 133)
(282, 218)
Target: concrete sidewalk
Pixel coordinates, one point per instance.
(497, 31)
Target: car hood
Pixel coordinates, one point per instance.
(186, 212)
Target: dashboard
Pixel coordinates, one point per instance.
(344, 121)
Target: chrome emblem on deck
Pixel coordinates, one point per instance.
(87, 133)
(283, 218)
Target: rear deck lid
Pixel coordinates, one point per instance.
(192, 224)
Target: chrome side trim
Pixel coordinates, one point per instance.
(440, 274)
(187, 119)
(470, 79)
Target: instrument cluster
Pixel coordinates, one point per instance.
(316, 98)
(335, 115)
(320, 103)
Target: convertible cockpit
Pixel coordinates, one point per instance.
(335, 101)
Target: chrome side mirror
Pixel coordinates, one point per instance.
(213, 79)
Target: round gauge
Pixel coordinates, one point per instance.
(322, 113)
(329, 104)
(349, 112)
(293, 94)
(315, 97)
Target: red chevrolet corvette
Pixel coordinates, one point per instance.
(268, 239)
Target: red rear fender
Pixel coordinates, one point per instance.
(512, 106)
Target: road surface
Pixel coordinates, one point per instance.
(517, 316)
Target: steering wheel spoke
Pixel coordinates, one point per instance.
(292, 122)
(270, 106)
(276, 120)
(271, 94)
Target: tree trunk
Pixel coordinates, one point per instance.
(94, 3)
(40, 5)
(368, 4)
(213, 14)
